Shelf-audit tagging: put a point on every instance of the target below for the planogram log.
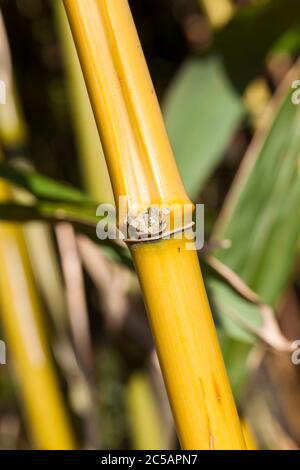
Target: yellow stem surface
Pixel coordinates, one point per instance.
(125, 105)
(142, 168)
(187, 345)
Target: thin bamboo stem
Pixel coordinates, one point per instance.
(14, 137)
(20, 306)
(91, 157)
(24, 328)
(145, 423)
(124, 95)
(142, 168)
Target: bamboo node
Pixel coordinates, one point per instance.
(151, 224)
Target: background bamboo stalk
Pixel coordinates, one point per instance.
(92, 162)
(14, 137)
(24, 328)
(142, 168)
(20, 305)
(145, 423)
(21, 308)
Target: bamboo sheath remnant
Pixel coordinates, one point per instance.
(142, 168)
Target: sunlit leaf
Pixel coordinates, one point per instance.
(201, 111)
(261, 218)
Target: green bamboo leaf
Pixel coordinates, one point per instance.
(46, 211)
(236, 354)
(261, 217)
(230, 306)
(42, 187)
(202, 111)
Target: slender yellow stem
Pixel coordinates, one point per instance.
(145, 423)
(14, 136)
(122, 99)
(187, 346)
(142, 168)
(20, 307)
(27, 346)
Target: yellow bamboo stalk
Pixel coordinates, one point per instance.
(145, 423)
(142, 168)
(14, 136)
(20, 308)
(24, 329)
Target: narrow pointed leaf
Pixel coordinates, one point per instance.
(202, 111)
(43, 187)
